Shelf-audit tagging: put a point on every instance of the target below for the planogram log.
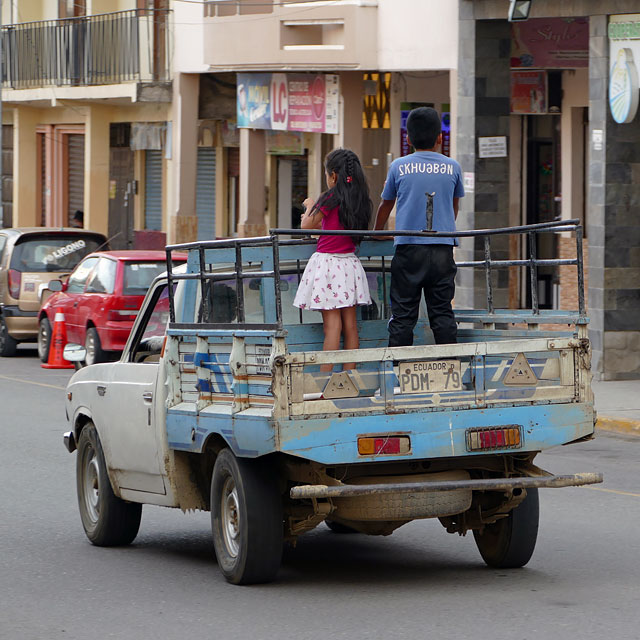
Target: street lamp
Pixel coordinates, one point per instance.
(519, 10)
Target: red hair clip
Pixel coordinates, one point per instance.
(349, 179)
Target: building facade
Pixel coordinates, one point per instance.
(550, 87)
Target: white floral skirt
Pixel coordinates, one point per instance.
(332, 281)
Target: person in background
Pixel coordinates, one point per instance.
(334, 281)
(77, 221)
(421, 263)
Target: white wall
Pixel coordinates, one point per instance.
(188, 42)
(417, 34)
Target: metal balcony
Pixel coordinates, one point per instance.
(109, 48)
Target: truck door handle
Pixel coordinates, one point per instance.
(147, 396)
(101, 389)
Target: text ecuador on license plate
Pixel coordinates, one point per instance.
(430, 376)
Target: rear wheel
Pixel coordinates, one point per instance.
(107, 520)
(93, 346)
(8, 345)
(246, 519)
(509, 542)
(44, 339)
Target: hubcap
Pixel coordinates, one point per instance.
(91, 484)
(43, 340)
(231, 517)
(90, 345)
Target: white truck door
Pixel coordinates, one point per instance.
(132, 446)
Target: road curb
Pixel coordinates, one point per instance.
(619, 425)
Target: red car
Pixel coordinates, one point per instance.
(100, 301)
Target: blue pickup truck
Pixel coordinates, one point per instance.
(219, 403)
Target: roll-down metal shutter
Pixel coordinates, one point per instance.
(153, 190)
(206, 193)
(76, 174)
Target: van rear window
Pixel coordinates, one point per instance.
(53, 253)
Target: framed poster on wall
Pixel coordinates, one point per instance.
(529, 92)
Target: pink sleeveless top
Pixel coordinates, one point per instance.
(333, 244)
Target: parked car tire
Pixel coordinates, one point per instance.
(107, 520)
(8, 345)
(509, 542)
(246, 519)
(44, 339)
(93, 346)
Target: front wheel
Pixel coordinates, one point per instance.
(509, 542)
(246, 519)
(107, 520)
(8, 345)
(44, 339)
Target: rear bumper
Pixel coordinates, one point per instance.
(22, 325)
(434, 434)
(493, 484)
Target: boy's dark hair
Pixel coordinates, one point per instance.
(350, 193)
(423, 127)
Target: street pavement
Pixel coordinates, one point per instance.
(421, 582)
(617, 403)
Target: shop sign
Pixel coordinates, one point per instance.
(303, 102)
(284, 143)
(550, 43)
(624, 51)
(492, 147)
(528, 92)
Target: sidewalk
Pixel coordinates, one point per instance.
(618, 405)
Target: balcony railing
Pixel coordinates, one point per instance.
(110, 48)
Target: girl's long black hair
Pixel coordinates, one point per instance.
(350, 193)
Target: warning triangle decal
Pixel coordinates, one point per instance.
(340, 385)
(520, 373)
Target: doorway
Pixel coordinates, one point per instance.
(122, 187)
(543, 197)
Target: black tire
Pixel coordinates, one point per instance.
(338, 527)
(44, 339)
(509, 542)
(93, 346)
(8, 345)
(246, 519)
(107, 520)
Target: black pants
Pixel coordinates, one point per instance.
(416, 268)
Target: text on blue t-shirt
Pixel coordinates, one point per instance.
(409, 179)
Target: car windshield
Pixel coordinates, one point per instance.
(138, 276)
(52, 253)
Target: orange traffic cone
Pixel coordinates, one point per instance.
(58, 341)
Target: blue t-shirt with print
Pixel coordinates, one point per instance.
(409, 179)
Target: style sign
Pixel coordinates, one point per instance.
(303, 102)
(550, 43)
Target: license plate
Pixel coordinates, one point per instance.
(429, 376)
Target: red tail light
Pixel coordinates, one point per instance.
(384, 445)
(15, 279)
(494, 438)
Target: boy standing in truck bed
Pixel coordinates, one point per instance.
(422, 263)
